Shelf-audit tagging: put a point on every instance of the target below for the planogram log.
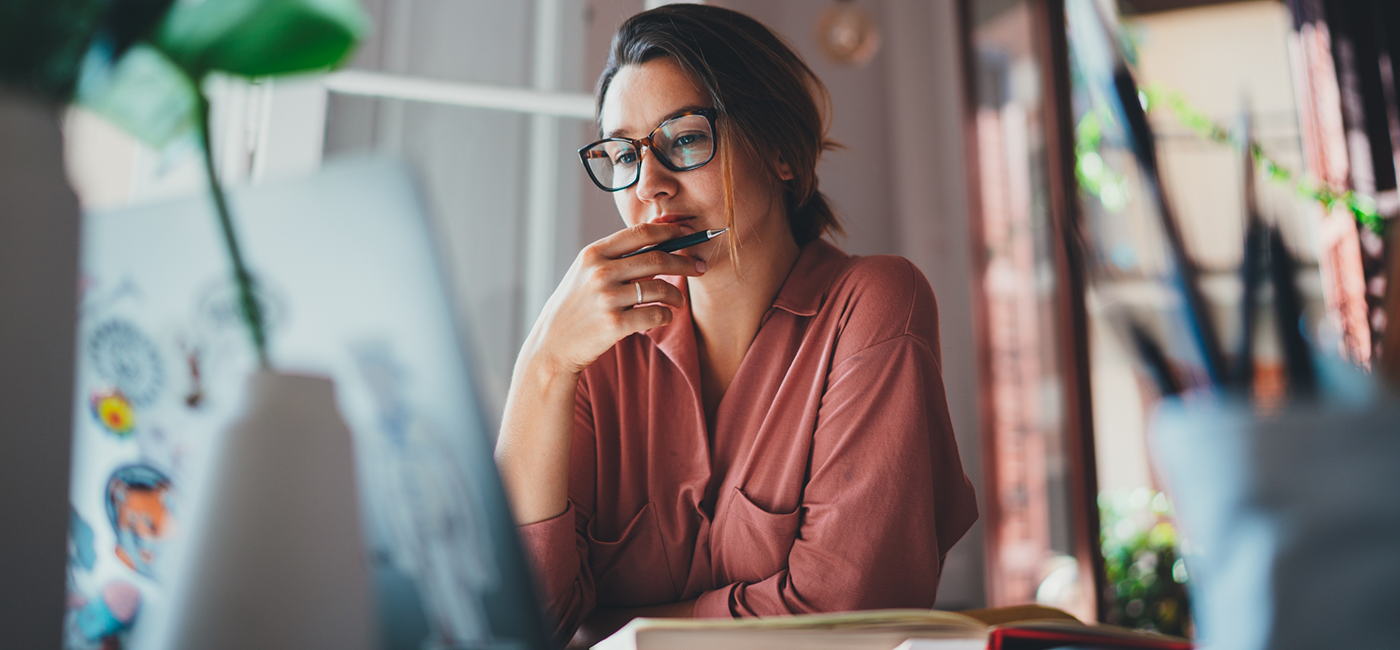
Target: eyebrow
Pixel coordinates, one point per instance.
(670, 116)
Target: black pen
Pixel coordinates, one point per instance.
(1187, 274)
(1155, 359)
(1253, 267)
(1288, 316)
(673, 245)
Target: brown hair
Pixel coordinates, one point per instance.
(765, 95)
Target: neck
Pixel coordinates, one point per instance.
(721, 302)
(728, 308)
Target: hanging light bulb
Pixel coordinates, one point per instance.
(847, 34)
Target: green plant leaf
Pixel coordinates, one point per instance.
(258, 38)
(144, 93)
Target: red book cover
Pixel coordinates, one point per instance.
(1039, 637)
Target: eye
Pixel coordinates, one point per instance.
(625, 157)
(692, 139)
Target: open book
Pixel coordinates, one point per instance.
(1038, 628)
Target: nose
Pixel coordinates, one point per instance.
(654, 181)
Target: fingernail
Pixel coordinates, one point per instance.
(700, 266)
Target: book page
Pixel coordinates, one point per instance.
(875, 629)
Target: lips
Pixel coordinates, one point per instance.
(672, 218)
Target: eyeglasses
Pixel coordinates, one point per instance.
(682, 143)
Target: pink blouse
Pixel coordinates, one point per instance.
(828, 481)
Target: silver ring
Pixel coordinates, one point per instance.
(638, 285)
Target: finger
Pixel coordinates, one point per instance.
(656, 263)
(640, 236)
(644, 292)
(642, 319)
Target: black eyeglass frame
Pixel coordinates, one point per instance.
(708, 113)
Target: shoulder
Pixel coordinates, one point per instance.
(888, 278)
(882, 297)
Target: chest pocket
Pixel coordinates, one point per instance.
(754, 542)
(632, 571)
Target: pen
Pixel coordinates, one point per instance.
(1288, 310)
(1187, 274)
(1256, 247)
(678, 243)
(1155, 359)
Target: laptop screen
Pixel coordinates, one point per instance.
(346, 273)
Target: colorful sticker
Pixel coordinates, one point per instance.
(140, 508)
(195, 396)
(81, 552)
(113, 410)
(82, 555)
(126, 358)
(110, 613)
(221, 307)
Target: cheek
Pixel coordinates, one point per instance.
(628, 207)
(711, 188)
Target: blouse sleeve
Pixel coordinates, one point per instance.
(557, 548)
(886, 495)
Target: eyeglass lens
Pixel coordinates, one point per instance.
(680, 144)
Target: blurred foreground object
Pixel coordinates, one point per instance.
(1291, 518)
(287, 465)
(353, 293)
(38, 316)
(42, 44)
(278, 559)
(153, 85)
(148, 81)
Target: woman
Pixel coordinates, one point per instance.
(752, 426)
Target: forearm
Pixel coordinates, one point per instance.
(536, 432)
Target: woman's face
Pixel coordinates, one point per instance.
(641, 97)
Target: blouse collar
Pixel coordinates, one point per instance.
(802, 294)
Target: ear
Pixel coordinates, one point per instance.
(784, 170)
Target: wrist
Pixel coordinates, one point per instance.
(543, 370)
(543, 379)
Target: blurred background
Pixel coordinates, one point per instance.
(978, 144)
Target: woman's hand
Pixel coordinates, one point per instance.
(597, 304)
(594, 307)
